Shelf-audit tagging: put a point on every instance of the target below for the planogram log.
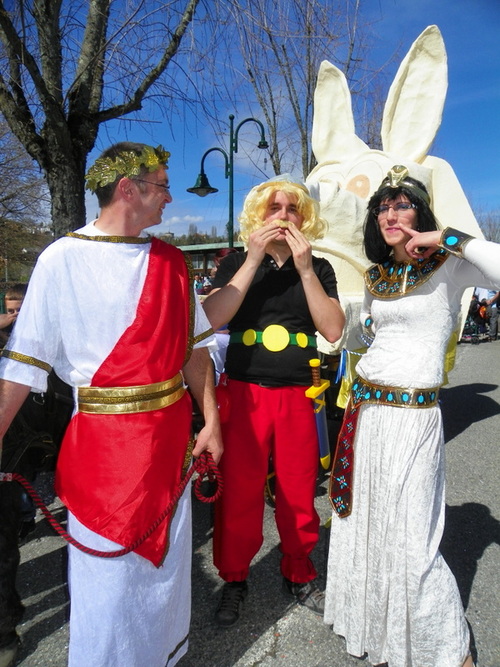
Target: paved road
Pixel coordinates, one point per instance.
(272, 631)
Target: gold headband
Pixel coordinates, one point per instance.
(395, 179)
(128, 163)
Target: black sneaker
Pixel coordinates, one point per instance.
(307, 595)
(233, 595)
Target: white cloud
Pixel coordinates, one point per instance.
(177, 219)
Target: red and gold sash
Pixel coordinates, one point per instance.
(118, 471)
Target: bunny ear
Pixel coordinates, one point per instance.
(333, 135)
(414, 106)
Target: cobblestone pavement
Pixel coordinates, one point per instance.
(272, 631)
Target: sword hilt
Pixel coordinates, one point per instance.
(318, 386)
(315, 372)
(317, 393)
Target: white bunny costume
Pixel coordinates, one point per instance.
(349, 172)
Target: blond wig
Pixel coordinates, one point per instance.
(255, 205)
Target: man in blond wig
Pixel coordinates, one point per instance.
(275, 297)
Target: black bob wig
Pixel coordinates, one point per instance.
(376, 249)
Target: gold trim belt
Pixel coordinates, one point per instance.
(274, 338)
(340, 491)
(126, 400)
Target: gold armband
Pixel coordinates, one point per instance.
(454, 241)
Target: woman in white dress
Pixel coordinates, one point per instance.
(389, 591)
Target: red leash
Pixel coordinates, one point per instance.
(203, 465)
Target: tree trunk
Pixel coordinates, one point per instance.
(114, 67)
(66, 185)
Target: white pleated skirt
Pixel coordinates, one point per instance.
(124, 611)
(389, 591)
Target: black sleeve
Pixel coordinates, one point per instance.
(326, 276)
(228, 267)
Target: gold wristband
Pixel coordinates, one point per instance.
(454, 241)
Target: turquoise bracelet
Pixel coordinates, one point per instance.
(454, 241)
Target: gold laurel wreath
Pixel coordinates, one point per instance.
(128, 163)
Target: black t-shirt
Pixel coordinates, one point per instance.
(275, 296)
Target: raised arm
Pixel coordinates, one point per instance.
(327, 314)
(223, 303)
(481, 254)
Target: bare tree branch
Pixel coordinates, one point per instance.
(67, 77)
(46, 14)
(281, 46)
(85, 93)
(136, 100)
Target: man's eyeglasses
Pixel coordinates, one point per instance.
(400, 207)
(164, 186)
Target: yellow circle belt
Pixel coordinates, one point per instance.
(274, 338)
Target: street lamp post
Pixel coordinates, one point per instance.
(202, 187)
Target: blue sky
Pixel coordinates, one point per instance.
(469, 136)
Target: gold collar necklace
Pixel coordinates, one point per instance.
(393, 279)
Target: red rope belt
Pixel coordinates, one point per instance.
(204, 465)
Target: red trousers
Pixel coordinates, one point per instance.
(267, 421)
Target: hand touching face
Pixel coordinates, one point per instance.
(394, 216)
(282, 210)
(280, 217)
